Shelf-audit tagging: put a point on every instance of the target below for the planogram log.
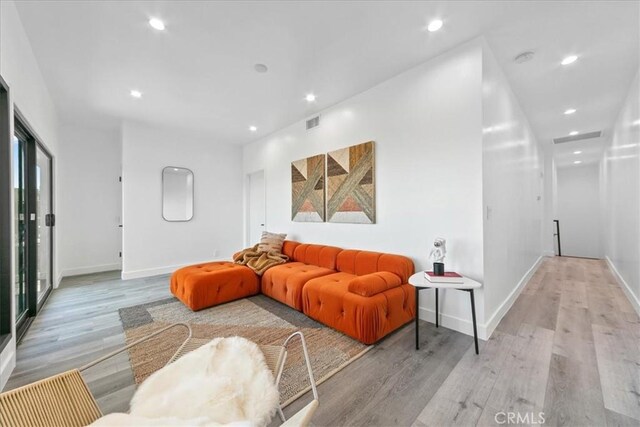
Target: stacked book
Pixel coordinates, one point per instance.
(449, 277)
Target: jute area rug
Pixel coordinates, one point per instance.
(258, 318)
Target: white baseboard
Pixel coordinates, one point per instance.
(548, 253)
(157, 271)
(497, 315)
(484, 329)
(89, 270)
(451, 322)
(633, 299)
(8, 359)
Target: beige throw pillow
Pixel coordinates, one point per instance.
(271, 242)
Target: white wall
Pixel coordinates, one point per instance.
(89, 208)
(19, 68)
(512, 190)
(579, 210)
(621, 173)
(426, 124)
(152, 245)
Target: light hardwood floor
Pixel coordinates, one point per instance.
(569, 348)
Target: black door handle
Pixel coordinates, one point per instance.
(50, 220)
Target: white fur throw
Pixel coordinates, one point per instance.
(225, 381)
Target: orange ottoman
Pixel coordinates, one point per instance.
(205, 285)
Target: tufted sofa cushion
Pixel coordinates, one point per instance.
(322, 256)
(204, 285)
(374, 283)
(363, 262)
(285, 282)
(328, 300)
(288, 247)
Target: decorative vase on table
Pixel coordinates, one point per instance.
(437, 254)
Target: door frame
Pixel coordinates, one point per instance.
(247, 213)
(33, 143)
(6, 223)
(47, 153)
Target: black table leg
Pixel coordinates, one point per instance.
(417, 318)
(436, 307)
(473, 314)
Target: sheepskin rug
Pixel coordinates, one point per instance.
(223, 382)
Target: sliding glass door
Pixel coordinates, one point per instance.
(20, 226)
(44, 218)
(33, 222)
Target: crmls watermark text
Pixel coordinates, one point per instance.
(531, 418)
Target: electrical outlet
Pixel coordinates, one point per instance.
(215, 253)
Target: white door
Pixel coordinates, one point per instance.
(256, 206)
(579, 210)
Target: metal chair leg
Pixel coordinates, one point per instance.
(307, 360)
(141, 340)
(280, 413)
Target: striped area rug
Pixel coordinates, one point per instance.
(258, 318)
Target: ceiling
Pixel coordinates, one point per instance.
(199, 73)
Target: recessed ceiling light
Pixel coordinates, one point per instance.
(157, 24)
(434, 25)
(253, 128)
(310, 97)
(573, 133)
(570, 111)
(577, 152)
(569, 60)
(577, 162)
(136, 93)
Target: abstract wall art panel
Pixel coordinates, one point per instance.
(351, 185)
(307, 189)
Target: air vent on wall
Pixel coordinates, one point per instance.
(313, 122)
(578, 137)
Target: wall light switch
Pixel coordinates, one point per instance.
(215, 253)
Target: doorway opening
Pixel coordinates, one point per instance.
(579, 210)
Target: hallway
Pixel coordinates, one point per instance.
(569, 348)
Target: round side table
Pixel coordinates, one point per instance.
(419, 282)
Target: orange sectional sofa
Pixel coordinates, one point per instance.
(363, 294)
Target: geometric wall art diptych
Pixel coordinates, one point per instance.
(307, 189)
(351, 184)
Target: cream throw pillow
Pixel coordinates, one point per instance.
(271, 242)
